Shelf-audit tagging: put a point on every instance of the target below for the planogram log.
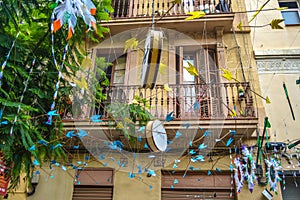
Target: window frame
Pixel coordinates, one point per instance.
(290, 10)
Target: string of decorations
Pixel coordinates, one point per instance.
(7, 57)
(21, 99)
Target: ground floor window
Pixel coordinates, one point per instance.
(196, 185)
(93, 183)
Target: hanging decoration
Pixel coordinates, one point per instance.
(273, 167)
(21, 99)
(152, 57)
(228, 75)
(52, 112)
(4, 179)
(238, 175)
(249, 166)
(67, 11)
(288, 99)
(231, 167)
(7, 57)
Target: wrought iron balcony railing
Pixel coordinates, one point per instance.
(201, 101)
(143, 8)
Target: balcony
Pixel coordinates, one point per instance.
(218, 106)
(130, 14)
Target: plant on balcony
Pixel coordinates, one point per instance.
(127, 117)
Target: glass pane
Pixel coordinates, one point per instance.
(119, 77)
(187, 77)
(291, 17)
(288, 4)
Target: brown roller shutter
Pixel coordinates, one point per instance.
(196, 185)
(94, 184)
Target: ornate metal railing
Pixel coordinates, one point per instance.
(201, 101)
(143, 8)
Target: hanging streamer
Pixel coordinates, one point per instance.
(21, 99)
(7, 57)
(288, 99)
(273, 166)
(52, 112)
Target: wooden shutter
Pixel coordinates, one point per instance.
(196, 185)
(94, 184)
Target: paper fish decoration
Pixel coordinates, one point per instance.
(229, 141)
(176, 1)
(167, 88)
(227, 74)
(178, 134)
(202, 146)
(67, 11)
(70, 134)
(52, 113)
(175, 181)
(169, 117)
(191, 69)
(268, 101)
(141, 129)
(131, 43)
(43, 142)
(196, 106)
(32, 148)
(36, 162)
(4, 122)
(195, 15)
(275, 23)
(96, 118)
(56, 146)
(81, 133)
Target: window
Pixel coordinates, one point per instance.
(292, 14)
(196, 185)
(200, 94)
(93, 184)
(291, 190)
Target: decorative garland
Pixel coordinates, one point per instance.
(7, 57)
(231, 173)
(21, 99)
(273, 166)
(249, 166)
(238, 175)
(245, 170)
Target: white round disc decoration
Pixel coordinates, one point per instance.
(119, 138)
(156, 136)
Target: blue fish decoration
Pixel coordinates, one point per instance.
(96, 118)
(70, 134)
(43, 142)
(169, 116)
(202, 146)
(196, 106)
(4, 122)
(81, 133)
(32, 148)
(178, 134)
(52, 113)
(230, 140)
(141, 129)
